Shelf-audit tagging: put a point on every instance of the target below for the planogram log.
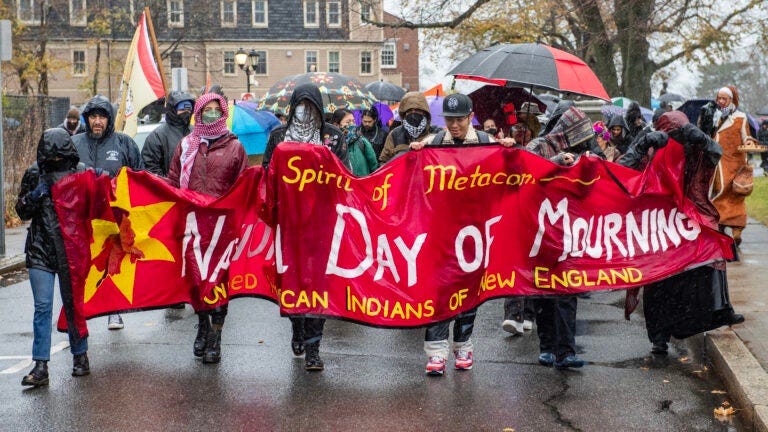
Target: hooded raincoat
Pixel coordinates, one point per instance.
(398, 141)
(162, 142)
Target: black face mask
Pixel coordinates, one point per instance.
(185, 117)
(414, 119)
(491, 131)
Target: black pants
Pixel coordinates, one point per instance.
(556, 325)
(519, 309)
(463, 325)
(310, 330)
(217, 315)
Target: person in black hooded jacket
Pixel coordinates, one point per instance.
(160, 144)
(56, 158)
(102, 148)
(305, 124)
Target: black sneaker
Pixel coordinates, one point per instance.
(38, 376)
(312, 360)
(213, 347)
(81, 366)
(203, 328)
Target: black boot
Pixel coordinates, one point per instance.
(213, 346)
(38, 376)
(80, 367)
(297, 339)
(203, 328)
(312, 360)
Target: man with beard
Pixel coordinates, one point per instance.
(305, 125)
(414, 111)
(72, 122)
(372, 130)
(102, 148)
(161, 143)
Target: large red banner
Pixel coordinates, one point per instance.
(433, 233)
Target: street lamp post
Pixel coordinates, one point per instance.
(247, 62)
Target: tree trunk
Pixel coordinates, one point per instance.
(637, 69)
(95, 87)
(595, 47)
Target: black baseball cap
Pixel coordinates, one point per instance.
(457, 105)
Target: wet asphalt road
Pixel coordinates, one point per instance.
(144, 378)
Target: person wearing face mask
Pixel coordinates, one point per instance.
(731, 130)
(72, 123)
(208, 160)
(103, 148)
(489, 127)
(361, 153)
(372, 129)
(414, 112)
(305, 125)
(161, 143)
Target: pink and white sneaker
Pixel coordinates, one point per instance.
(463, 359)
(436, 366)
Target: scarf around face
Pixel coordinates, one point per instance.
(307, 131)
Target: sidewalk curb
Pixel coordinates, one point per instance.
(11, 263)
(745, 379)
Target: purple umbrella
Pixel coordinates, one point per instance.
(385, 114)
(436, 109)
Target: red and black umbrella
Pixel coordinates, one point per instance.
(531, 65)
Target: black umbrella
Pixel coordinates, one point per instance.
(762, 111)
(671, 97)
(385, 91)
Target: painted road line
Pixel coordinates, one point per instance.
(26, 361)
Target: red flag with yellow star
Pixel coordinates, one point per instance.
(139, 243)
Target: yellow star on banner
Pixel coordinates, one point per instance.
(142, 219)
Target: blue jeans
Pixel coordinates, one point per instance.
(42, 291)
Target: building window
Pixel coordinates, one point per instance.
(176, 59)
(311, 12)
(260, 13)
(334, 61)
(310, 59)
(261, 66)
(366, 63)
(229, 62)
(78, 63)
(175, 13)
(389, 55)
(366, 13)
(78, 14)
(28, 11)
(333, 12)
(228, 13)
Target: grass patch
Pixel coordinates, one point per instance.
(757, 202)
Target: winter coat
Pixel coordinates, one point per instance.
(398, 141)
(730, 135)
(362, 157)
(113, 150)
(376, 136)
(216, 167)
(630, 117)
(44, 233)
(572, 133)
(331, 136)
(473, 136)
(621, 142)
(162, 142)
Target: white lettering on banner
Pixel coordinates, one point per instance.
(246, 239)
(384, 256)
(192, 234)
(656, 230)
(279, 252)
(474, 233)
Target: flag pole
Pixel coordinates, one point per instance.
(156, 49)
(127, 70)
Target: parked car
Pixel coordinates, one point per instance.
(142, 132)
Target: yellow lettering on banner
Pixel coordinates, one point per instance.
(491, 281)
(572, 278)
(374, 307)
(380, 192)
(308, 176)
(457, 299)
(446, 177)
(289, 299)
(247, 281)
(219, 292)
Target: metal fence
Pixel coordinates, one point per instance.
(16, 107)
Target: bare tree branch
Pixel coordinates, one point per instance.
(442, 24)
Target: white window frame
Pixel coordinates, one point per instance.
(305, 4)
(370, 52)
(371, 13)
(171, 23)
(328, 13)
(328, 56)
(393, 44)
(85, 63)
(34, 19)
(83, 15)
(224, 64)
(255, 23)
(317, 60)
(234, 13)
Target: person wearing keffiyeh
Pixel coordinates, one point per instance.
(208, 160)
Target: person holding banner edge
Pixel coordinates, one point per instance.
(458, 113)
